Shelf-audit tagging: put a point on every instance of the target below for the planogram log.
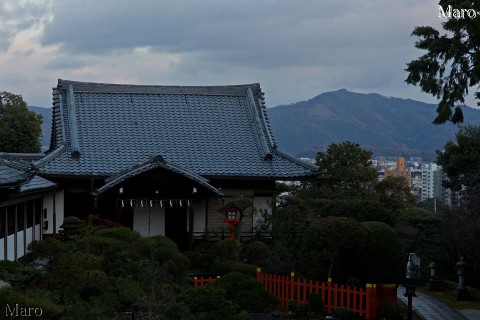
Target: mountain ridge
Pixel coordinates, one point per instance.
(386, 125)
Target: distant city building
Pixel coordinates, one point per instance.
(425, 179)
(400, 171)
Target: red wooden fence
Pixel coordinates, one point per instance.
(364, 301)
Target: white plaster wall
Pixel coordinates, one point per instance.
(149, 224)
(28, 233)
(20, 248)
(11, 247)
(2, 248)
(38, 234)
(200, 215)
(260, 204)
(59, 208)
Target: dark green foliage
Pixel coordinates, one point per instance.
(344, 314)
(451, 64)
(203, 261)
(353, 282)
(395, 194)
(369, 252)
(47, 253)
(346, 170)
(208, 302)
(23, 277)
(382, 257)
(20, 128)
(72, 227)
(256, 252)
(297, 310)
(226, 249)
(7, 266)
(226, 266)
(358, 209)
(389, 311)
(107, 270)
(315, 303)
(120, 233)
(328, 239)
(246, 292)
(461, 162)
(27, 298)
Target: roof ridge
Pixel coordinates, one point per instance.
(49, 156)
(72, 122)
(153, 163)
(257, 125)
(92, 87)
(294, 159)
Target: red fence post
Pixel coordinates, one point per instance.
(329, 298)
(292, 286)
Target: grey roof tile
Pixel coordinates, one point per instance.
(35, 184)
(19, 174)
(208, 130)
(13, 174)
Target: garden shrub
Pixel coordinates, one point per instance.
(245, 291)
(315, 303)
(382, 260)
(223, 267)
(353, 282)
(257, 252)
(297, 310)
(177, 264)
(208, 303)
(126, 290)
(120, 233)
(344, 314)
(7, 266)
(27, 299)
(388, 311)
(93, 283)
(226, 249)
(204, 261)
(245, 268)
(164, 242)
(24, 276)
(191, 255)
(226, 266)
(72, 227)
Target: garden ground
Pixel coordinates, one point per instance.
(429, 305)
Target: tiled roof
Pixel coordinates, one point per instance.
(153, 163)
(20, 175)
(102, 129)
(36, 184)
(12, 174)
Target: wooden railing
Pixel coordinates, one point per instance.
(364, 301)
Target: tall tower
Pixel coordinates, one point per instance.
(400, 171)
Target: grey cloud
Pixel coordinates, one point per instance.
(65, 62)
(265, 34)
(17, 16)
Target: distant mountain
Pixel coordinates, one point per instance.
(387, 126)
(46, 126)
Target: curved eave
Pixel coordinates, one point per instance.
(115, 180)
(49, 157)
(14, 174)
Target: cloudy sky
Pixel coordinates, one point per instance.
(294, 49)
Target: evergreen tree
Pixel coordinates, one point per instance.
(20, 129)
(451, 64)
